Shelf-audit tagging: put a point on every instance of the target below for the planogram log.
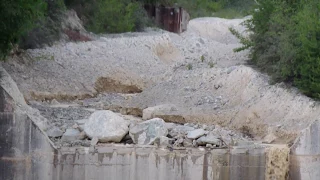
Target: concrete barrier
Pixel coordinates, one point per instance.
(305, 154)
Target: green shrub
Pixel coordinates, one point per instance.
(112, 16)
(285, 42)
(17, 18)
(217, 8)
(47, 29)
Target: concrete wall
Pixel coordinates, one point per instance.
(305, 154)
(138, 163)
(25, 152)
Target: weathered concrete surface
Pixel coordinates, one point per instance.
(305, 154)
(138, 163)
(25, 152)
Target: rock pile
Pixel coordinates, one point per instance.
(104, 126)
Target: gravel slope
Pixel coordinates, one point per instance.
(196, 70)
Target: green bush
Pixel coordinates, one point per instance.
(47, 29)
(17, 18)
(217, 8)
(285, 42)
(112, 16)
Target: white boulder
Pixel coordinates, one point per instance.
(106, 126)
(147, 132)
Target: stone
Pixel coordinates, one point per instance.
(94, 141)
(196, 133)
(269, 138)
(164, 141)
(71, 135)
(209, 146)
(145, 133)
(208, 140)
(106, 126)
(81, 121)
(170, 126)
(54, 102)
(82, 135)
(243, 143)
(127, 139)
(208, 128)
(81, 127)
(194, 143)
(75, 126)
(204, 126)
(180, 129)
(187, 142)
(230, 69)
(178, 142)
(153, 112)
(183, 129)
(54, 132)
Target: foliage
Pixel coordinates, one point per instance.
(285, 42)
(217, 8)
(47, 29)
(189, 66)
(112, 16)
(17, 17)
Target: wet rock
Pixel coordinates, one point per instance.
(208, 140)
(106, 126)
(54, 132)
(147, 132)
(153, 112)
(71, 135)
(196, 133)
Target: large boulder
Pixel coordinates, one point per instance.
(167, 112)
(147, 132)
(106, 126)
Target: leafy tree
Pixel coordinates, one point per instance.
(285, 42)
(17, 18)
